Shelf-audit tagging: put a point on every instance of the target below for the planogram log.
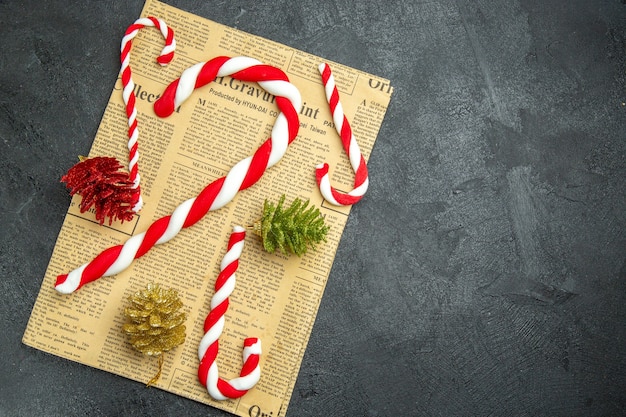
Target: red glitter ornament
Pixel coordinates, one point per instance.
(104, 187)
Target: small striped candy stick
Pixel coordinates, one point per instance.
(357, 161)
(208, 373)
(221, 191)
(128, 93)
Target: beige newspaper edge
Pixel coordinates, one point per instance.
(276, 297)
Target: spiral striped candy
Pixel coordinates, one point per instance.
(208, 372)
(128, 93)
(221, 191)
(361, 180)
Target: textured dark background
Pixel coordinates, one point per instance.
(484, 273)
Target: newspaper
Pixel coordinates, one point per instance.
(276, 297)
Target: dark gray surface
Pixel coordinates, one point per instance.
(483, 274)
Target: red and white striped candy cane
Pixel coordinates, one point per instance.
(208, 373)
(221, 191)
(357, 161)
(128, 93)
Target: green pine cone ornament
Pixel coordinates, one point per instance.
(155, 323)
(293, 229)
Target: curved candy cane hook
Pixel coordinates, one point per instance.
(357, 161)
(208, 373)
(129, 86)
(222, 190)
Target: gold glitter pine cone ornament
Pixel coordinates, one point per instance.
(293, 229)
(155, 322)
